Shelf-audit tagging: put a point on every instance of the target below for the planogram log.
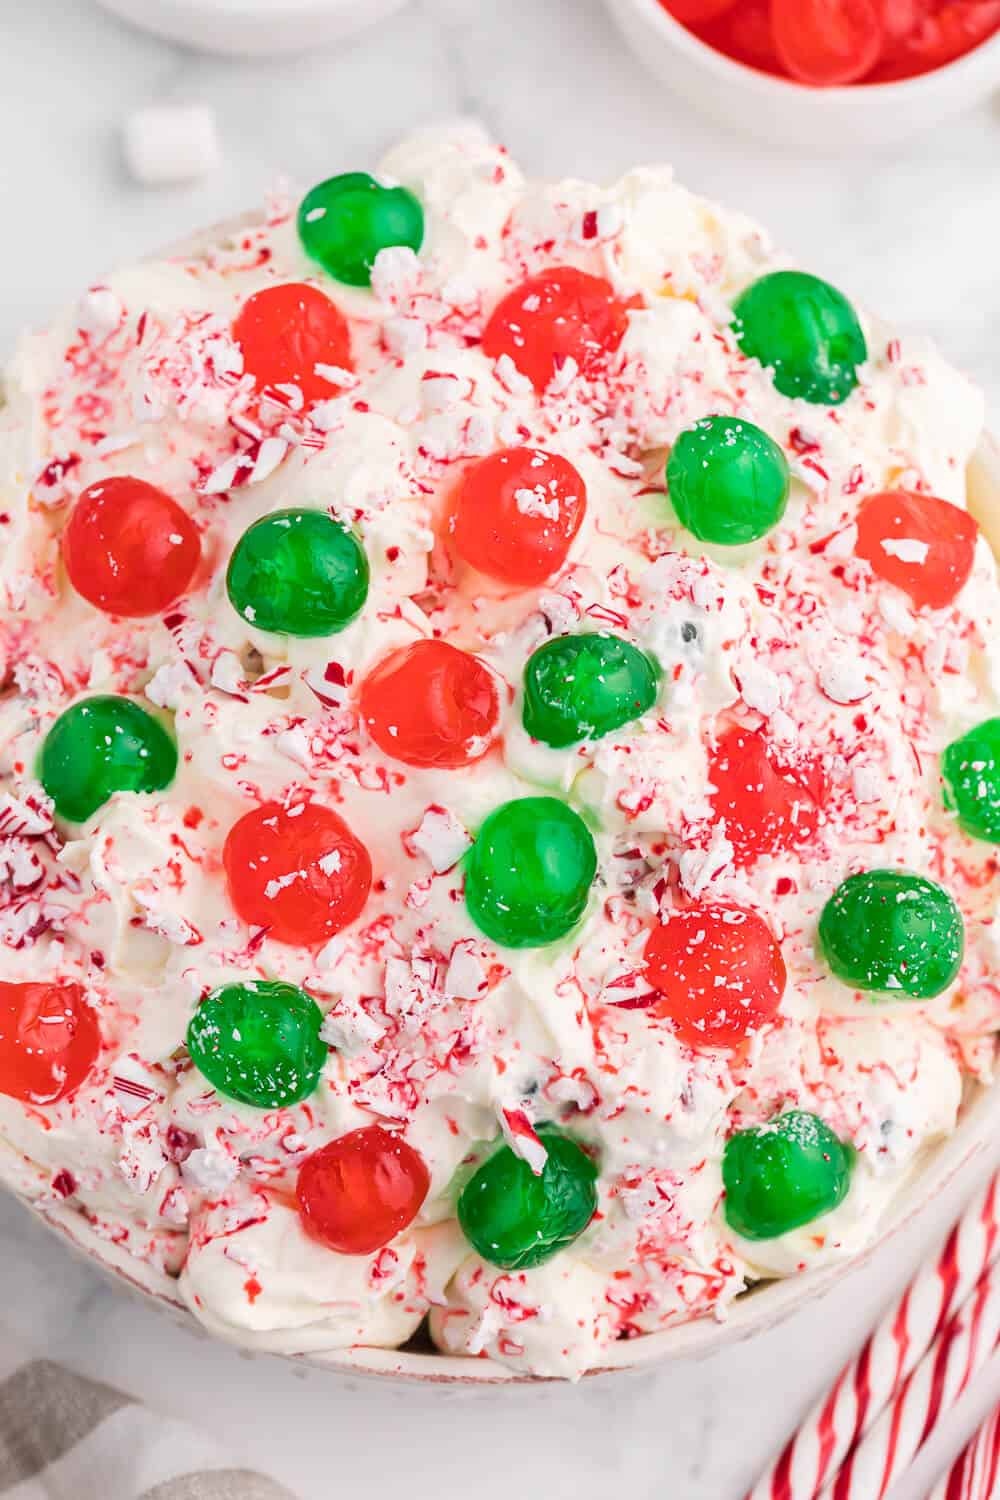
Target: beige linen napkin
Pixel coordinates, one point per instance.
(63, 1437)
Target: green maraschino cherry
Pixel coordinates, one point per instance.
(516, 1220)
(580, 687)
(970, 768)
(895, 934)
(529, 873)
(805, 331)
(345, 221)
(728, 481)
(784, 1174)
(298, 572)
(101, 746)
(259, 1043)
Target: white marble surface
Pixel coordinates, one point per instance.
(913, 232)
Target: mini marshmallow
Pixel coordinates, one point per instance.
(171, 143)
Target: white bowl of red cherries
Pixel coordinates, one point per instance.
(825, 74)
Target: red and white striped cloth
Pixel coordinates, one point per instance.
(883, 1384)
(975, 1474)
(965, 1344)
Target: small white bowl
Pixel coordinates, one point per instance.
(790, 114)
(253, 28)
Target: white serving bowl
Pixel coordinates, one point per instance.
(253, 28)
(785, 113)
(758, 1310)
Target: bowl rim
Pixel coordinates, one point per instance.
(758, 1310)
(901, 90)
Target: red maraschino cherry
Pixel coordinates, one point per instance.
(923, 545)
(130, 549)
(770, 804)
(719, 973)
(516, 515)
(744, 33)
(287, 332)
(49, 1041)
(939, 35)
(431, 704)
(360, 1191)
(298, 871)
(827, 42)
(557, 315)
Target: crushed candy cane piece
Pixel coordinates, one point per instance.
(99, 312)
(521, 1137)
(210, 1170)
(466, 978)
(906, 549)
(440, 838)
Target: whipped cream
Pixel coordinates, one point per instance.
(432, 1028)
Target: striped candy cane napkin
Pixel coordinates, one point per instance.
(928, 1348)
(63, 1437)
(975, 1474)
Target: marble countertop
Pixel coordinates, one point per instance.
(912, 232)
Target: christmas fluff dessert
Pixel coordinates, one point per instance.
(501, 764)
